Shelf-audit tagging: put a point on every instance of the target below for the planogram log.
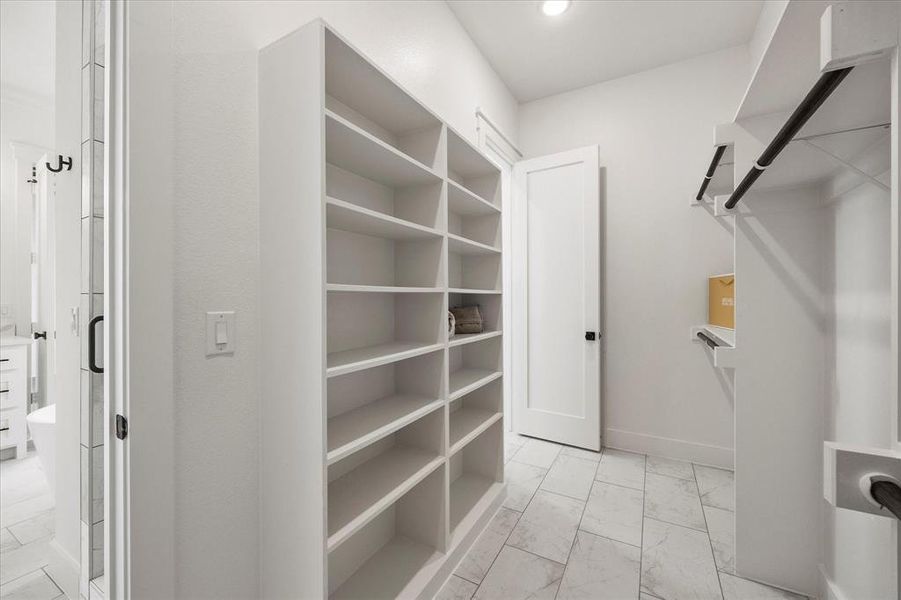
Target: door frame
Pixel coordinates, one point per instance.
(138, 262)
(519, 288)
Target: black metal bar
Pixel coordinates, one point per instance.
(717, 155)
(888, 495)
(708, 340)
(818, 94)
(92, 344)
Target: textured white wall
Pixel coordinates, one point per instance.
(655, 132)
(215, 187)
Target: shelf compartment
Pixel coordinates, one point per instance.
(347, 216)
(467, 380)
(358, 151)
(368, 405)
(385, 289)
(476, 474)
(362, 93)
(365, 483)
(481, 229)
(461, 339)
(349, 361)
(474, 365)
(405, 540)
(454, 290)
(365, 260)
(474, 271)
(468, 168)
(473, 413)
(490, 307)
(463, 202)
(462, 245)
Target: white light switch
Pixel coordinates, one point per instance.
(220, 333)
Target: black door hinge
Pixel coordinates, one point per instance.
(121, 427)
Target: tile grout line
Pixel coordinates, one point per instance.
(709, 541)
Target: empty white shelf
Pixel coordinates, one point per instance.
(383, 289)
(348, 361)
(465, 160)
(467, 493)
(468, 338)
(356, 429)
(461, 245)
(386, 574)
(350, 217)
(468, 380)
(355, 150)
(467, 423)
(464, 202)
(357, 497)
(724, 336)
(471, 291)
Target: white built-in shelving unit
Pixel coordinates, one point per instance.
(382, 434)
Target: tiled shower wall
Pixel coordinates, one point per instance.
(92, 279)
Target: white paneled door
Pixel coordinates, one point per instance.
(556, 298)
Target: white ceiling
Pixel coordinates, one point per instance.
(26, 48)
(594, 41)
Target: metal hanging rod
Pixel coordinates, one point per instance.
(888, 495)
(708, 340)
(822, 89)
(717, 155)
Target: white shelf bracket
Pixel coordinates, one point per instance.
(854, 33)
(843, 163)
(848, 471)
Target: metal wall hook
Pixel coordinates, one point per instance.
(61, 161)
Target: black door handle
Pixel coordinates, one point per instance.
(40, 335)
(92, 345)
(590, 336)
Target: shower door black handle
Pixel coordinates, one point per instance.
(92, 344)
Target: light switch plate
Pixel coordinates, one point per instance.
(221, 319)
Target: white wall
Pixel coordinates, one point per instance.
(215, 198)
(859, 548)
(655, 132)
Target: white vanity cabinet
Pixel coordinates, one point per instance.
(14, 393)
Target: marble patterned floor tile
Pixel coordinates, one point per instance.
(721, 527)
(518, 575)
(538, 453)
(478, 559)
(717, 487)
(32, 586)
(35, 528)
(515, 439)
(20, 511)
(522, 481)
(24, 560)
(644, 596)
(7, 540)
(581, 453)
(676, 563)
(622, 468)
(736, 588)
(670, 467)
(570, 476)
(674, 501)
(457, 588)
(510, 450)
(600, 569)
(615, 512)
(548, 526)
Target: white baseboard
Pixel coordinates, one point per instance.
(828, 590)
(715, 456)
(63, 569)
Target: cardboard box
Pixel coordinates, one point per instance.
(721, 301)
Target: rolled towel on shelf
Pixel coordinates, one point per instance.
(468, 319)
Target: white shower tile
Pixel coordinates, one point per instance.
(615, 512)
(717, 487)
(600, 569)
(518, 575)
(570, 476)
(676, 562)
(673, 500)
(548, 526)
(622, 468)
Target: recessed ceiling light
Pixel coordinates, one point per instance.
(552, 8)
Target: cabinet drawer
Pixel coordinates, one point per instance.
(10, 394)
(11, 429)
(9, 361)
